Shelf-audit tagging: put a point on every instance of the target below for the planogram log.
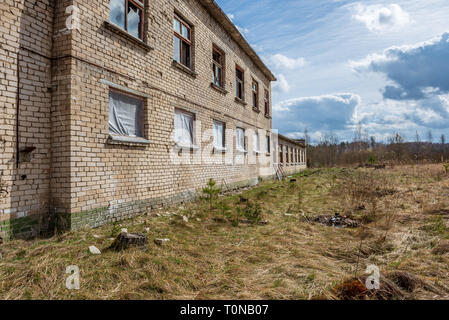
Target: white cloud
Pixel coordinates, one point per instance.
(281, 84)
(415, 72)
(379, 18)
(318, 113)
(231, 16)
(280, 61)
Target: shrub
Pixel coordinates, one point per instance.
(251, 212)
(211, 191)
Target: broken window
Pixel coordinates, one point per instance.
(125, 114)
(217, 67)
(239, 81)
(184, 133)
(182, 42)
(267, 103)
(240, 140)
(255, 88)
(219, 136)
(128, 15)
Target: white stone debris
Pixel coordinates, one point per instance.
(94, 250)
(161, 242)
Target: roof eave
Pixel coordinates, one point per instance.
(215, 10)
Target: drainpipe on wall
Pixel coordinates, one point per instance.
(18, 110)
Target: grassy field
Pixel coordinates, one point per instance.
(219, 254)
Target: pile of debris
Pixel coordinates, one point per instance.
(371, 166)
(337, 221)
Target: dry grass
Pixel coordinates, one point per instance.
(405, 221)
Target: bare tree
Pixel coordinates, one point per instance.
(429, 136)
(306, 136)
(443, 146)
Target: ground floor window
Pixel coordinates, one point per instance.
(240, 139)
(125, 114)
(267, 144)
(219, 136)
(256, 142)
(184, 132)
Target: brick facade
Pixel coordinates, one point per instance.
(54, 87)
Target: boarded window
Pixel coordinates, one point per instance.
(184, 133)
(125, 114)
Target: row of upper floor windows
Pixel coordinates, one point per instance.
(129, 15)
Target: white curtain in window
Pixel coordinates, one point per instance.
(183, 128)
(256, 142)
(218, 128)
(125, 115)
(240, 139)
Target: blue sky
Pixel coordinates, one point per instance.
(339, 63)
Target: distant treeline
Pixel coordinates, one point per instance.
(329, 152)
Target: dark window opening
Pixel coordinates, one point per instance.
(255, 88)
(182, 42)
(239, 81)
(267, 103)
(217, 67)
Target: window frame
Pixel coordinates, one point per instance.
(255, 94)
(223, 146)
(268, 144)
(141, 6)
(142, 112)
(193, 116)
(189, 42)
(244, 140)
(241, 82)
(267, 103)
(256, 147)
(281, 153)
(219, 64)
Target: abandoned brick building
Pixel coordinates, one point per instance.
(105, 106)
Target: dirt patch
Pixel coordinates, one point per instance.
(405, 280)
(441, 248)
(337, 221)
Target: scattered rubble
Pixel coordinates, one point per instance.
(94, 250)
(124, 230)
(185, 219)
(161, 242)
(127, 240)
(147, 230)
(337, 221)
